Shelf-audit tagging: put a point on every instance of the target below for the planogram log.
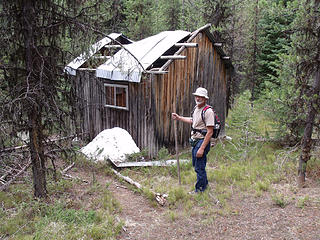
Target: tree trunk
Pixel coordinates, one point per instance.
(306, 141)
(37, 154)
(31, 103)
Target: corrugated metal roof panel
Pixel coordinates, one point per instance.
(125, 66)
(78, 61)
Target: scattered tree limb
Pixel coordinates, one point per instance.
(68, 176)
(5, 186)
(127, 179)
(11, 149)
(160, 198)
(67, 168)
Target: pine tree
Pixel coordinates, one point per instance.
(166, 15)
(36, 36)
(138, 18)
(274, 40)
(249, 55)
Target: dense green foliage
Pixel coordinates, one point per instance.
(289, 88)
(274, 39)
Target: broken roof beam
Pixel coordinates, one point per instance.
(193, 35)
(186, 44)
(157, 72)
(173, 57)
(218, 44)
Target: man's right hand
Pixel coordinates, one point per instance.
(175, 116)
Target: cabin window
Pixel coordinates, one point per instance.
(116, 96)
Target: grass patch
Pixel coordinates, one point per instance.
(177, 195)
(23, 217)
(253, 172)
(172, 215)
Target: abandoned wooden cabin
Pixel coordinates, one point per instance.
(137, 85)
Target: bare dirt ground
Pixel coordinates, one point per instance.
(250, 217)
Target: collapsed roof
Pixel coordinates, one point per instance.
(129, 59)
(98, 47)
(128, 64)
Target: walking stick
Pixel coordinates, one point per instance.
(176, 139)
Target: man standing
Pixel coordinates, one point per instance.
(202, 129)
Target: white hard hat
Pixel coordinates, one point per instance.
(201, 92)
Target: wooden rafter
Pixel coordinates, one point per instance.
(173, 57)
(218, 44)
(193, 35)
(186, 44)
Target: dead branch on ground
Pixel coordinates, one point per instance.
(6, 185)
(67, 168)
(160, 198)
(68, 176)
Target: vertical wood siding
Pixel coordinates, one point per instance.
(203, 67)
(152, 101)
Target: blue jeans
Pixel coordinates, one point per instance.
(199, 165)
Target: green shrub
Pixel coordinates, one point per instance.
(302, 202)
(163, 154)
(279, 200)
(262, 186)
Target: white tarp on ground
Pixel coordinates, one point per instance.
(123, 66)
(78, 61)
(111, 144)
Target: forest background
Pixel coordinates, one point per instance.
(274, 46)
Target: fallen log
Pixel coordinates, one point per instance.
(160, 198)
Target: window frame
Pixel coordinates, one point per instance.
(115, 86)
